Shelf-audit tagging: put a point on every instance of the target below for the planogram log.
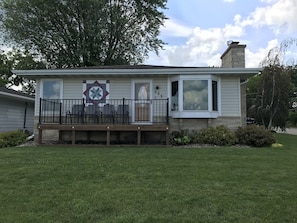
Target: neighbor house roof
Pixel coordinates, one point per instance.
(137, 70)
(10, 93)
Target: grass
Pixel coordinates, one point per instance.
(145, 184)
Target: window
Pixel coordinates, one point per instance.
(195, 95)
(52, 90)
(214, 95)
(174, 96)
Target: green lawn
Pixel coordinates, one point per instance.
(149, 184)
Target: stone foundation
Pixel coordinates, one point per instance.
(178, 124)
(231, 122)
(197, 124)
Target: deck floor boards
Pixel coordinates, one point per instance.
(74, 128)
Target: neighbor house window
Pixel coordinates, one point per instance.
(195, 95)
(51, 90)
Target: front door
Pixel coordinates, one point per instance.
(142, 104)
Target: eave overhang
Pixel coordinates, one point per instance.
(243, 73)
(16, 97)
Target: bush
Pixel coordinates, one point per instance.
(12, 138)
(179, 138)
(221, 136)
(254, 135)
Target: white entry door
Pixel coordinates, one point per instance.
(142, 107)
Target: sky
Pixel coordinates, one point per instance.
(196, 31)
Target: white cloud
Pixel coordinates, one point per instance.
(268, 1)
(279, 15)
(229, 0)
(174, 28)
(205, 46)
(201, 49)
(254, 59)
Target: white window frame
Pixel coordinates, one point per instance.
(133, 82)
(209, 113)
(42, 81)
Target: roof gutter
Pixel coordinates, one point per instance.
(120, 72)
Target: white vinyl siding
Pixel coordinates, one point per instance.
(162, 92)
(12, 115)
(30, 117)
(120, 88)
(73, 88)
(230, 97)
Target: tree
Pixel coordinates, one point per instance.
(251, 93)
(18, 60)
(293, 73)
(5, 67)
(73, 33)
(269, 94)
(273, 97)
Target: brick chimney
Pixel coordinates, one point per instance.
(234, 55)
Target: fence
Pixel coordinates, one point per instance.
(111, 111)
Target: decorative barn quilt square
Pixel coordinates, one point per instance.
(96, 92)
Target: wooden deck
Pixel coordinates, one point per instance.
(138, 132)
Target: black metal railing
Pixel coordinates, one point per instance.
(111, 111)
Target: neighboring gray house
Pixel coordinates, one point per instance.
(16, 110)
(139, 103)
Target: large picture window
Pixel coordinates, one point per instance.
(195, 95)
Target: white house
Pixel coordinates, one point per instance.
(139, 103)
(16, 111)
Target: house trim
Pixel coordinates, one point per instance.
(242, 72)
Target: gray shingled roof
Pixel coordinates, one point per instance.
(137, 66)
(16, 93)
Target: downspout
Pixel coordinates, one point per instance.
(25, 117)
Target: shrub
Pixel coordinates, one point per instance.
(180, 138)
(220, 135)
(12, 138)
(254, 135)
